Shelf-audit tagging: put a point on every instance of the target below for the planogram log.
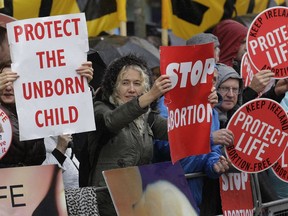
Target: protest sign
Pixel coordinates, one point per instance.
(260, 130)
(5, 133)
(158, 189)
(51, 98)
(267, 41)
(24, 192)
(247, 72)
(280, 168)
(189, 114)
(236, 194)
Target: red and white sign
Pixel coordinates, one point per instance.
(260, 130)
(189, 113)
(280, 168)
(5, 133)
(247, 70)
(51, 98)
(236, 194)
(267, 41)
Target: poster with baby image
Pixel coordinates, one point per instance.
(155, 190)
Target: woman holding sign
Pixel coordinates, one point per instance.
(126, 125)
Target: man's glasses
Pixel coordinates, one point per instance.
(225, 90)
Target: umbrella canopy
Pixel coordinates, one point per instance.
(104, 49)
(110, 47)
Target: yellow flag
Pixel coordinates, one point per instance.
(1, 3)
(187, 18)
(101, 15)
(108, 21)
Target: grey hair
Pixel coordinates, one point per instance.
(145, 82)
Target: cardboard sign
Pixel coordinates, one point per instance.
(189, 114)
(50, 96)
(280, 168)
(260, 130)
(32, 190)
(236, 194)
(159, 189)
(5, 133)
(267, 41)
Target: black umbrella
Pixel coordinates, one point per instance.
(110, 47)
(104, 49)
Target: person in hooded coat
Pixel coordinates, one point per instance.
(232, 38)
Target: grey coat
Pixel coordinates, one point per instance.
(125, 146)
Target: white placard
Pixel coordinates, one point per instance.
(51, 98)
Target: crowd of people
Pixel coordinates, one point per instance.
(131, 120)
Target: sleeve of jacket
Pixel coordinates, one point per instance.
(249, 94)
(271, 95)
(121, 116)
(159, 126)
(211, 159)
(50, 159)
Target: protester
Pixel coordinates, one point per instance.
(125, 124)
(232, 37)
(229, 85)
(31, 152)
(59, 151)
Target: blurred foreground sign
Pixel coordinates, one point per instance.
(33, 190)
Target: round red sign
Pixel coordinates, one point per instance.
(260, 130)
(267, 41)
(280, 168)
(5, 133)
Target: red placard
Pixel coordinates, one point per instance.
(248, 71)
(5, 133)
(189, 113)
(236, 194)
(267, 41)
(280, 168)
(260, 135)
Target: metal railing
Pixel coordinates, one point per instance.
(273, 208)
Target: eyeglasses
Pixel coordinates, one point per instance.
(225, 90)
